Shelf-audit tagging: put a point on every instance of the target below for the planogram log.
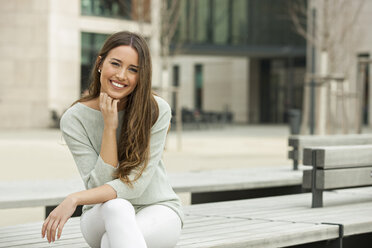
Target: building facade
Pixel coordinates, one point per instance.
(240, 56)
(339, 63)
(47, 47)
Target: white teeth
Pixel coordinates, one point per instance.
(117, 85)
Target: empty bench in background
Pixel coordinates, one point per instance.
(336, 167)
(298, 142)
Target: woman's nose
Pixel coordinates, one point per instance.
(121, 73)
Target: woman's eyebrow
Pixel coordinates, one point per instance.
(118, 60)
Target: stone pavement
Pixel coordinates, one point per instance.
(41, 154)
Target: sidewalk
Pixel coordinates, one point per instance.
(41, 154)
(234, 146)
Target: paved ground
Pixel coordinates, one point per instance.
(41, 154)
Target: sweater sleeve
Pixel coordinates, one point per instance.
(157, 142)
(93, 170)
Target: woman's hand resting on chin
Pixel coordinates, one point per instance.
(109, 110)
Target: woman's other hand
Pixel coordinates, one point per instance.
(57, 219)
(109, 110)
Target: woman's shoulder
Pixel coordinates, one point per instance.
(164, 113)
(162, 104)
(71, 115)
(76, 114)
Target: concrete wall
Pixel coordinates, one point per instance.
(24, 63)
(40, 57)
(64, 54)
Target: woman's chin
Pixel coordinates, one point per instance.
(115, 95)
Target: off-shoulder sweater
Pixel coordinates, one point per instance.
(82, 129)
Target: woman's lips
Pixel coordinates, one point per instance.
(117, 85)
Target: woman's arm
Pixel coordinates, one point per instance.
(96, 167)
(59, 216)
(157, 143)
(109, 110)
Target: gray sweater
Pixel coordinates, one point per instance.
(82, 129)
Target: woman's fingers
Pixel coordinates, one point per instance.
(48, 229)
(107, 103)
(103, 100)
(115, 105)
(45, 225)
(109, 111)
(57, 219)
(53, 230)
(60, 227)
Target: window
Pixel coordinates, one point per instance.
(90, 45)
(239, 27)
(123, 9)
(363, 81)
(202, 20)
(175, 83)
(220, 22)
(257, 23)
(198, 87)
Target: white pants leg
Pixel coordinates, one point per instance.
(114, 224)
(160, 226)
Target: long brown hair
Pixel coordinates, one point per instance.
(141, 111)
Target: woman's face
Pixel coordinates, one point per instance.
(119, 72)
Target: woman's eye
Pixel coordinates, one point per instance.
(115, 64)
(133, 69)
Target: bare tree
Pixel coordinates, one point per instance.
(336, 36)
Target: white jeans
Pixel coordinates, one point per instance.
(114, 224)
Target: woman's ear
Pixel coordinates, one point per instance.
(99, 62)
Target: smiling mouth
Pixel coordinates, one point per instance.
(117, 85)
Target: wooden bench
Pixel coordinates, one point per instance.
(297, 143)
(204, 186)
(336, 167)
(280, 221)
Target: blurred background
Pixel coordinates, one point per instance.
(239, 75)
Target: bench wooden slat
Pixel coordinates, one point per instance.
(339, 156)
(340, 208)
(329, 140)
(245, 178)
(230, 225)
(299, 142)
(277, 234)
(31, 226)
(334, 179)
(263, 222)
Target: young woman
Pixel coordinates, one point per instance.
(116, 135)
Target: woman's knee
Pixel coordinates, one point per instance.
(117, 207)
(160, 226)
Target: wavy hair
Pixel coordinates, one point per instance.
(141, 111)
